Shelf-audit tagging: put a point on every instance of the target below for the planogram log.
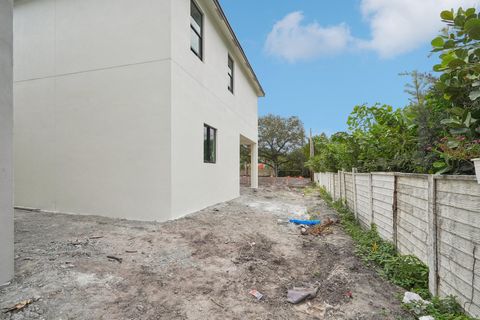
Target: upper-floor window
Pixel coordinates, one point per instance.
(209, 144)
(196, 26)
(231, 66)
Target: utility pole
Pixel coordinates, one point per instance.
(312, 154)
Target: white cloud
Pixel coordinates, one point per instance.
(399, 26)
(396, 27)
(292, 41)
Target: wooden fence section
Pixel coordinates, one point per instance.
(436, 218)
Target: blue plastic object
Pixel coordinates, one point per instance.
(305, 222)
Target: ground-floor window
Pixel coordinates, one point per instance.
(209, 144)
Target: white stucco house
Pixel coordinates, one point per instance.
(6, 140)
(129, 108)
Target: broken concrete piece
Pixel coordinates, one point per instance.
(412, 297)
(256, 294)
(426, 318)
(297, 295)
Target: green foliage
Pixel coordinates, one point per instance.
(279, 139)
(384, 136)
(332, 154)
(455, 154)
(459, 54)
(441, 309)
(379, 139)
(459, 49)
(438, 132)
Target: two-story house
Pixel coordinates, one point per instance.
(129, 108)
(6, 142)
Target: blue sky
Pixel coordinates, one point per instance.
(318, 59)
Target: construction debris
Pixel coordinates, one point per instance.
(323, 228)
(256, 294)
(190, 261)
(305, 222)
(412, 297)
(19, 306)
(115, 258)
(299, 294)
(218, 304)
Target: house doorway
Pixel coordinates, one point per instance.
(248, 163)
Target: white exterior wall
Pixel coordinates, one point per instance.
(92, 117)
(200, 96)
(6, 130)
(111, 104)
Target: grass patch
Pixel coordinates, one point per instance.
(407, 272)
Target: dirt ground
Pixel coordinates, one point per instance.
(199, 267)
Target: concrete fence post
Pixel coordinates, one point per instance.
(432, 254)
(339, 175)
(354, 182)
(395, 210)
(334, 196)
(344, 200)
(330, 183)
(370, 188)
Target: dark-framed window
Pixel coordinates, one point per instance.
(209, 144)
(196, 30)
(231, 68)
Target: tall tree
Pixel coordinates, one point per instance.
(425, 113)
(418, 87)
(278, 137)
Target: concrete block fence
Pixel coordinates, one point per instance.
(435, 218)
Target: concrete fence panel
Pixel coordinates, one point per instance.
(349, 190)
(435, 218)
(363, 198)
(412, 215)
(336, 178)
(458, 243)
(382, 204)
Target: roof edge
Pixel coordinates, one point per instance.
(237, 43)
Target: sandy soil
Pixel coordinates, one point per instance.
(199, 267)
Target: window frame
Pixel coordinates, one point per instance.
(207, 148)
(231, 74)
(193, 4)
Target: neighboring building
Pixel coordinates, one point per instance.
(130, 109)
(6, 141)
